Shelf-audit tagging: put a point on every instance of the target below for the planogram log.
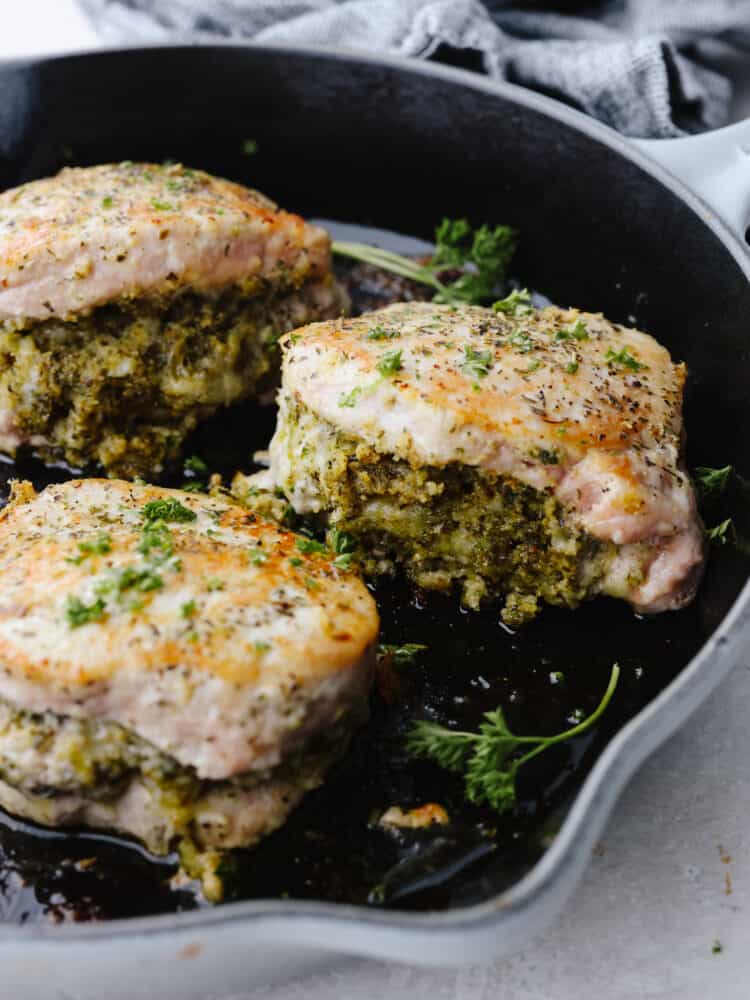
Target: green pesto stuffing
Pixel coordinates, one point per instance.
(446, 526)
(125, 384)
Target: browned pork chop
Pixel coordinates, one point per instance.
(172, 666)
(528, 452)
(136, 299)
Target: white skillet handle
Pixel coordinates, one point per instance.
(715, 165)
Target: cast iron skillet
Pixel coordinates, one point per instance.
(382, 142)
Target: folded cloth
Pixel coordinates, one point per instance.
(638, 65)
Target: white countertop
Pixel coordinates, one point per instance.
(671, 875)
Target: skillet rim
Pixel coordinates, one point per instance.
(536, 898)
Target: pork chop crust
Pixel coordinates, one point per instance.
(559, 400)
(221, 639)
(91, 235)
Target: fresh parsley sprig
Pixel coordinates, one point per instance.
(486, 252)
(711, 483)
(488, 759)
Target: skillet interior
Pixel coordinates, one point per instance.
(375, 145)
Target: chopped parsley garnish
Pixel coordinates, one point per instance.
(548, 456)
(720, 532)
(521, 340)
(476, 364)
(295, 561)
(625, 359)
(482, 256)
(572, 367)
(107, 202)
(249, 147)
(389, 364)
(196, 464)
(79, 613)
(258, 558)
(99, 546)
(711, 483)
(261, 646)
(380, 333)
(403, 655)
(167, 509)
(488, 760)
(577, 331)
(194, 486)
(214, 583)
(350, 398)
(157, 536)
(162, 206)
(187, 610)
(140, 578)
(343, 544)
(518, 303)
(309, 545)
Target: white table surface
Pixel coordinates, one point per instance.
(671, 875)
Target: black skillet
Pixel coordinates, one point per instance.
(389, 144)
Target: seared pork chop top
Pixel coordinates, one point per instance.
(556, 398)
(219, 638)
(92, 235)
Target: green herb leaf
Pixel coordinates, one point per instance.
(162, 206)
(625, 359)
(711, 483)
(196, 464)
(720, 533)
(168, 509)
(577, 331)
(477, 364)
(486, 251)
(258, 558)
(389, 364)
(453, 242)
(488, 759)
(350, 398)
(572, 367)
(187, 610)
(98, 546)
(521, 340)
(518, 303)
(380, 333)
(340, 542)
(309, 545)
(79, 613)
(156, 536)
(107, 202)
(403, 655)
(492, 251)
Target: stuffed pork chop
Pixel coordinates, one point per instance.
(533, 454)
(136, 300)
(173, 668)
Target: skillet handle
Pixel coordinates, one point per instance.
(715, 166)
